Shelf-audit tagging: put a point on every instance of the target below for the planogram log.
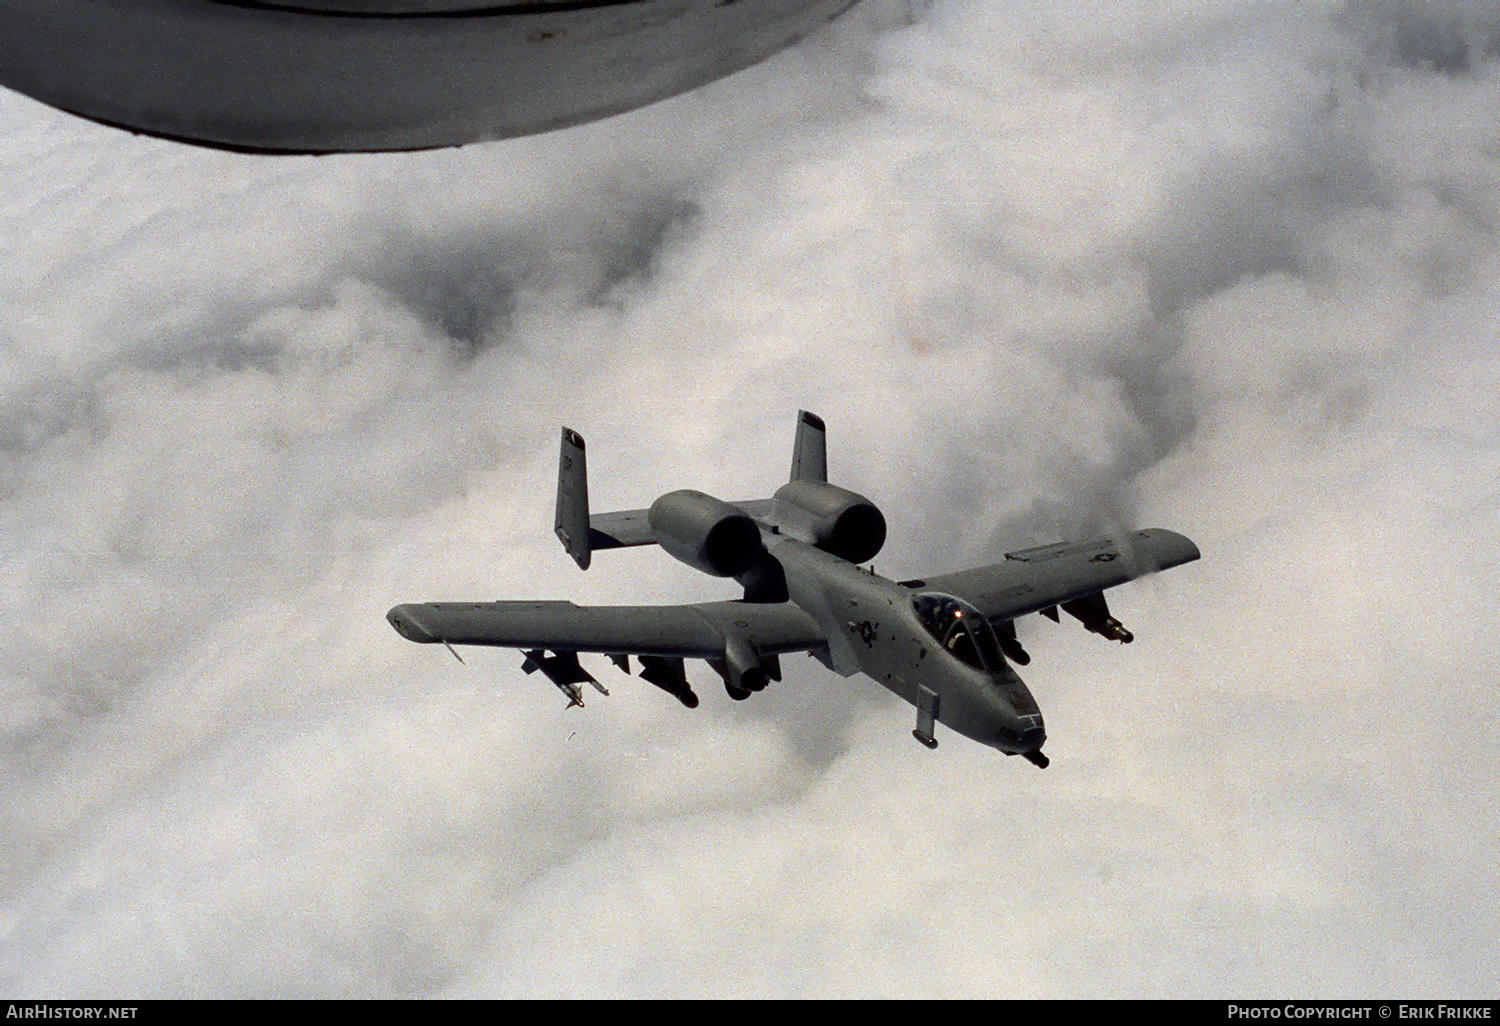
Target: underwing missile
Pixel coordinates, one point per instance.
(564, 670)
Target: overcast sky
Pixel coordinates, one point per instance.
(1046, 269)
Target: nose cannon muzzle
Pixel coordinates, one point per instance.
(1026, 742)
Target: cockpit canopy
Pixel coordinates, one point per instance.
(960, 629)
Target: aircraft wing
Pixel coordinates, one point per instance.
(1033, 580)
(701, 631)
(741, 640)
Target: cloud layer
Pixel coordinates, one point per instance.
(1222, 267)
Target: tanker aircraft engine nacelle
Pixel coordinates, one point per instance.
(944, 643)
(333, 76)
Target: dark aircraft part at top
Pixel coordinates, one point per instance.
(943, 643)
(333, 76)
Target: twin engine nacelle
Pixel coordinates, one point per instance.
(833, 519)
(706, 533)
(710, 535)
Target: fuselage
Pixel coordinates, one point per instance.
(874, 626)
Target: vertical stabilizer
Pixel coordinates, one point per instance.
(573, 498)
(809, 451)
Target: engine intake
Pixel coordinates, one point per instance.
(706, 533)
(834, 519)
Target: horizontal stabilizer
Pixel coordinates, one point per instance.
(621, 530)
(625, 528)
(583, 533)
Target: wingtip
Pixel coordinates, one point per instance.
(1168, 548)
(408, 625)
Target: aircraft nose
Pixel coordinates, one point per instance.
(1033, 738)
(1027, 735)
(1026, 741)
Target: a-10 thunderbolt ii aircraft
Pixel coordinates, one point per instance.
(944, 643)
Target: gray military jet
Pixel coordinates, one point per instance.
(944, 643)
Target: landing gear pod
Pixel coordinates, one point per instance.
(1005, 633)
(744, 669)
